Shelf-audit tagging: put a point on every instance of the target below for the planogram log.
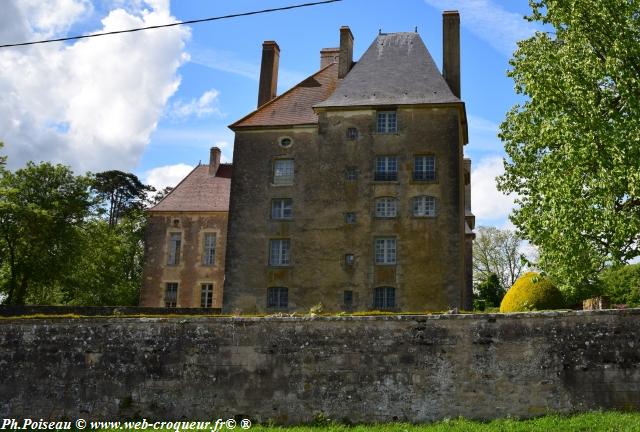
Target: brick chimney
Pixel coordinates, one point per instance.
(214, 160)
(328, 56)
(268, 72)
(451, 50)
(346, 52)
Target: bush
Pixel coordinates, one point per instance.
(490, 291)
(621, 285)
(532, 291)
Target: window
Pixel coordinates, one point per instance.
(348, 299)
(386, 207)
(424, 206)
(384, 298)
(283, 172)
(278, 298)
(279, 252)
(206, 295)
(351, 174)
(350, 218)
(285, 142)
(349, 260)
(386, 168)
(424, 168)
(385, 250)
(281, 208)
(175, 239)
(352, 133)
(171, 294)
(209, 249)
(387, 122)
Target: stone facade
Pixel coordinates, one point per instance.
(185, 241)
(341, 250)
(289, 370)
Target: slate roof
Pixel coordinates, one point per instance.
(396, 69)
(295, 107)
(199, 191)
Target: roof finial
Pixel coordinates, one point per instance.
(379, 31)
(416, 30)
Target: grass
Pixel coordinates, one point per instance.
(610, 421)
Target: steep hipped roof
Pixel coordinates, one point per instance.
(396, 69)
(199, 191)
(295, 107)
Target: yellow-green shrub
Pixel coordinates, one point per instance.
(531, 291)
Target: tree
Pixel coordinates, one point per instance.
(121, 192)
(573, 146)
(491, 291)
(41, 209)
(497, 252)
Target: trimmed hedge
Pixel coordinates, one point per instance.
(532, 291)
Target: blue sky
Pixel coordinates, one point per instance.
(154, 103)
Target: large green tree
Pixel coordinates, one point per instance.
(573, 145)
(41, 210)
(121, 193)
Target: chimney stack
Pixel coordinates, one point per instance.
(451, 50)
(214, 160)
(346, 52)
(268, 72)
(328, 56)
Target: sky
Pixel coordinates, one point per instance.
(154, 102)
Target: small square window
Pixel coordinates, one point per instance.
(350, 218)
(279, 252)
(349, 260)
(386, 168)
(424, 168)
(352, 133)
(281, 208)
(386, 207)
(171, 294)
(283, 172)
(206, 295)
(384, 298)
(278, 298)
(424, 206)
(351, 174)
(385, 250)
(387, 122)
(348, 299)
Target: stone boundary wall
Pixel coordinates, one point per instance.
(16, 311)
(289, 370)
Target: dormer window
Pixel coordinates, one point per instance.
(387, 122)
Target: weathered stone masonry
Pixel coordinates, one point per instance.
(361, 369)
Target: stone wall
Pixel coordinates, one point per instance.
(357, 369)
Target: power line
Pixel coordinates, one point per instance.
(196, 21)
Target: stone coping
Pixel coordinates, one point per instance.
(183, 315)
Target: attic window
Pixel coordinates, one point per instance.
(286, 142)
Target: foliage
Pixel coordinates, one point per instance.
(159, 196)
(41, 209)
(109, 270)
(497, 252)
(121, 192)
(574, 144)
(490, 291)
(532, 291)
(621, 284)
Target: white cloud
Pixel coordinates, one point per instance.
(92, 104)
(205, 105)
(168, 175)
(490, 22)
(486, 201)
(47, 18)
(483, 134)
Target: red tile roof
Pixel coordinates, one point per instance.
(199, 191)
(295, 106)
